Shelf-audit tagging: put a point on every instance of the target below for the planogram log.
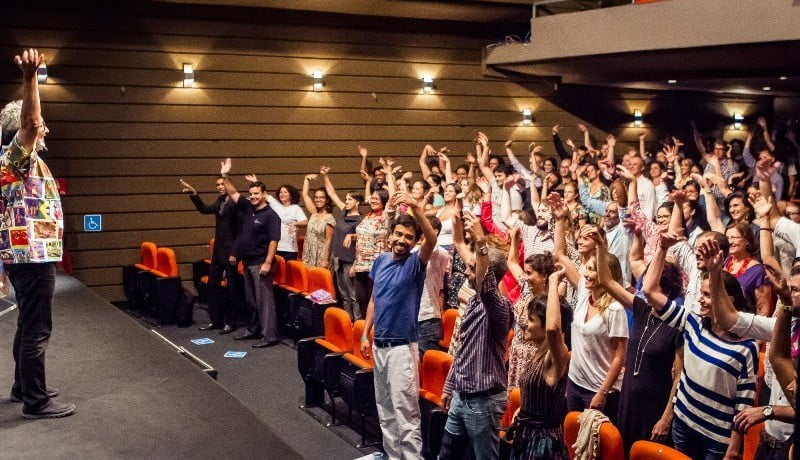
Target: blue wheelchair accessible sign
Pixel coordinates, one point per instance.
(92, 222)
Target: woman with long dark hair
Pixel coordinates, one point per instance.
(319, 228)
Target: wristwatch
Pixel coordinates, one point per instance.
(767, 412)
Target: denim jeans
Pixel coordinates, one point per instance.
(694, 444)
(429, 333)
(478, 419)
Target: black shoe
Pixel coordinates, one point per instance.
(247, 336)
(53, 409)
(227, 329)
(17, 397)
(208, 327)
(265, 344)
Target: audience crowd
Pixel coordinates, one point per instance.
(643, 285)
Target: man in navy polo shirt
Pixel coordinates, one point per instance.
(255, 247)
(398, 278)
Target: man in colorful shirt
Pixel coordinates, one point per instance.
(32, 217)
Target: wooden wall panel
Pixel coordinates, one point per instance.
(123, 130)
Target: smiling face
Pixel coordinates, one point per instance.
(705, 298)
(257, 196)
(586, 245)
(461, 173)
(692, 192)
(612, 215)
(662, 216)
(493, 162)
(220, 186)
(591, 172)
(590, 274)
(284, 196)
(532, 328)
(536, 281)
(375, 202)
(320, 200)
(403, 238)
(563, 168)
(738, 242)
(636, 165)
(450, 194)
(570, 193)
(655, 170)
(686, 167)
(737, 210)
(350, 203)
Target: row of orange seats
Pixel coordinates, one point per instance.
(153, 285)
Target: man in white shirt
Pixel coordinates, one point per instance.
(429, 320)
(645, 188)
(619, 240)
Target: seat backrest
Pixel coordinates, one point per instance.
(435, 367)
(511, 406)
(148, 252)
(279, 269)
(338, 327)
(761, 372)
(321, 278)
(646, 450)
(611, 447)
(297, 275)
(509, 339)
(166, 264)
(211, 248)
(751, 440)
(571, 431)
(448, 324)
(358, 331)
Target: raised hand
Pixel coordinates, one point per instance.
(678, 197)
(470, 158)
(762, 205)
(323, 170)
(711, 254)
(188, 188)
(225, 167)
(592, 233)
(509, 143)
(365, 175)
(582, 127)
(642, 135)
(483, 140)
(762, 122)
(29, 62)
(362, 151)
(625, 173)
(472, 225)
(570, 144)
(557, 206)
(611, 140)
(309, 177)
(559, 272)
(669, 239)
(252, 178)
(483, 184)
(701, 181)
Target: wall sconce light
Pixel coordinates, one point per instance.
(188, 76)
(318, 83)
(737, 120)
(427, 85)
(527, 117)
(41, 74)
(637, 118)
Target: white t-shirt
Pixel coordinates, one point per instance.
(647, 196)
(289, 215)
(592, 352)
(430, 304)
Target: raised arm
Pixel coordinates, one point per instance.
(473, 226)
(762, 122)
(323, 171)
(619, 293)
(698, 139)
(196, 200)
(587, 139)
(722, 308)
(636, 256)
(611, 141)
(513, 254)
(713, 213)
(651, 285)
(561, 214)
(780, 354)
(448, 168)
(458, 238)
(363, 152)
(642, 152)
(423, 161)
(307, 201)
(230, 189)
(426, 249)
(553, 335)
(483, 160)
(560, 150)
(30, 120)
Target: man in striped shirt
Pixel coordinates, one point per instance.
(475, 389)
(719, 372)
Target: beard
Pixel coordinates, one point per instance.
(542, 225)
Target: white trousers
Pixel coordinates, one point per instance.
(396, 372)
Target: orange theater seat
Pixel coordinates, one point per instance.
(751, 440)
(321, 278)
(166, 264)
(296, 277)
(435, 367)
(312, 353)
(514, 401)
(610, 439)
(509, 339)
(355, 384)
(646, 450)
(210, 251)
(449, 318)
(163, 287)
(278, 270)
(147, 259)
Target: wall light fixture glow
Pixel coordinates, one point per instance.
(637, 118)
(737, 120)
(427, 85)
(41, 74)
(188, 76)
(527, 117)
(318, 83)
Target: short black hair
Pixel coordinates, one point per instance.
(407, 221)
(544, 264)
(258, 184)
(435, 223)
(721, 240)
(383, 195)
(505, 169)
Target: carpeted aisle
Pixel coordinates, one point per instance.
(136, 397)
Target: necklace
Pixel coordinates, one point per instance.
(639, 356)
(742, 268)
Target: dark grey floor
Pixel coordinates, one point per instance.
(137, 398)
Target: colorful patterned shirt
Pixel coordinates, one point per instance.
(371, 236)
(31, 216)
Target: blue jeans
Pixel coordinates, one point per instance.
(429, 333)
(477, 418)
(694, 444)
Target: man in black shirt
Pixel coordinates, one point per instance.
(226, 229)
(255, 246)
